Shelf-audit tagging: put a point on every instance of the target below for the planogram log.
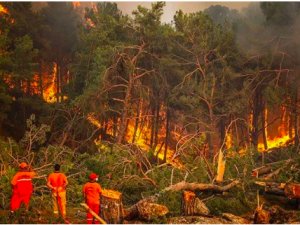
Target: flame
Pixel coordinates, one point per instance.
(282, 139)
(91, 118)
(142, 137)
(3, 10)
(49, 93)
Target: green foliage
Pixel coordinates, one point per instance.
(173, 201)
(233, 205)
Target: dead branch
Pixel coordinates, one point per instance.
(200, 186)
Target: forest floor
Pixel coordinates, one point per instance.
(76, 215)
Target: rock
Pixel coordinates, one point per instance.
(200, 208)
(235, 219)
(149, 211)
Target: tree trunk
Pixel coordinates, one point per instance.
(222, 131)
(264, 125)
(126, 106)
(156, 129)
(41, 80)
(295, 104)
(167, 134)
(256, 113)
(137, 121)
(200, 186)
(152, 126)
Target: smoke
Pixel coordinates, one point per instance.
(263, 29)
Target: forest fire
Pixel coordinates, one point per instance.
(282, 137)
(140, 136)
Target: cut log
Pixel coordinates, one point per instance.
(112, 206)
(235, 219)
(97, 217)
(200, 186)
(149, 211)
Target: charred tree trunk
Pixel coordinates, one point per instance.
(167, 134)
(57, 81)
(222, 131)
(256, 113)
(210, 145)
(264, 125)
(126, 106)
(41, 80)
(137, 121)
(28, 91)
(152, 126)
(295, 104)
(115, 126)
(156, 129)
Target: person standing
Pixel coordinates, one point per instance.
(91, 192)
(22, 187)
(58, 182)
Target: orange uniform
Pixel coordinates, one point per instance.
(22, 189)
(58, 182)
(92, 192)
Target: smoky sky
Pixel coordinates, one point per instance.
(185, 6)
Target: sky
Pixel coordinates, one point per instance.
(185, 6)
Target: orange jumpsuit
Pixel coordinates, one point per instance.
(22, 189)
(59, 182)
(92, 191)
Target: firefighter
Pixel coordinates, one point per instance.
(91, 192)
(58, 182)
(22, 187)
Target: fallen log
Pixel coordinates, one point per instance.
(200, 186)
(145, 209)
(261, 170)
(97, 217)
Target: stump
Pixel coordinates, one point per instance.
(261, 216)
(188, 202)
(111, 206)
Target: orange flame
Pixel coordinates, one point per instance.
(3, 10)
(49, 94)
(282, 139)
(142, 137)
